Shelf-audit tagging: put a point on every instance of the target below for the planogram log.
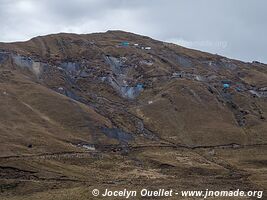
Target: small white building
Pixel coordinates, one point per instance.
(150, 102)
(60, 88)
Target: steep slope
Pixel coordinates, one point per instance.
(70, 95)
(37, 116)
(163, 85)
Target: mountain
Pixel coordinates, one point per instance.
(116, 109)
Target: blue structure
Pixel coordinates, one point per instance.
(226, 85)
(125, 44)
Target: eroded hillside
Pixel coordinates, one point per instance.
(127, 104)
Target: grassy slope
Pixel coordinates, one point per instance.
(182, 112)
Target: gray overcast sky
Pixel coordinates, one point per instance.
(234, 28)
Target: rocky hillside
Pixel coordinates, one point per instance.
(130, 99)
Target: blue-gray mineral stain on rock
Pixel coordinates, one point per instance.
(116, 65)
(130, 92)
(183, 61)
(3, 57)
(119, 78)
(118, 134)
(84, 74)
(72, 95)
(70, 66)
(28, 63)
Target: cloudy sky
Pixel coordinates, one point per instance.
(234, 28)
